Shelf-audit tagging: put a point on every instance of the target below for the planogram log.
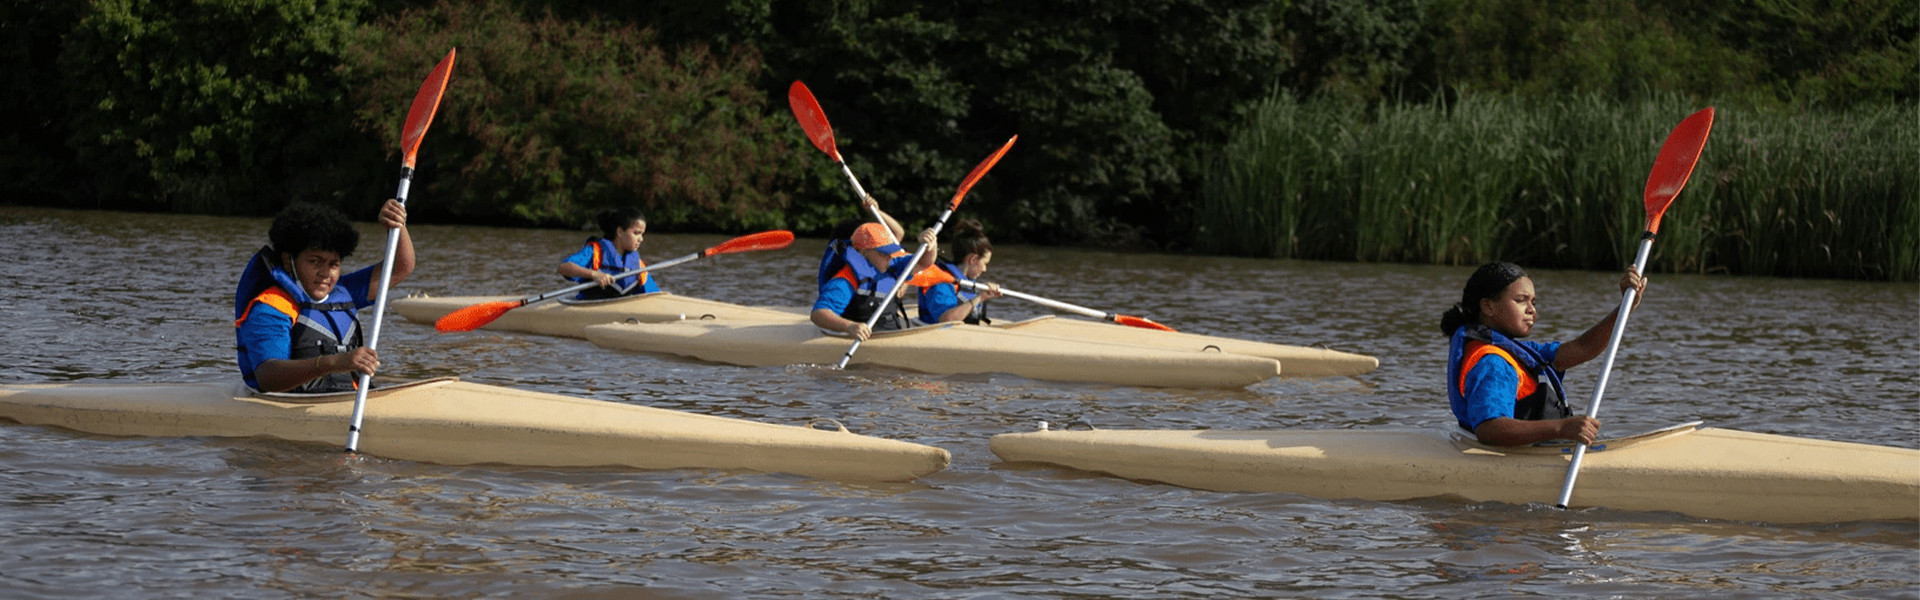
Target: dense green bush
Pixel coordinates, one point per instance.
(210, 105)
(546, 121)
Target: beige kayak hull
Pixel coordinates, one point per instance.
(456, 423)
(568, 319)
(943, 349)
(1708, 473)
(1295, 361)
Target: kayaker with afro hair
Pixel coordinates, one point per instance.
(1506, 390)
(294, 312)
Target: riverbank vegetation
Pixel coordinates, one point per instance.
(1559, 184)
(1439, 131)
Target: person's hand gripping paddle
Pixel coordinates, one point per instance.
(425, 104)
(479, 315)
(1670, 172)
(952, 205)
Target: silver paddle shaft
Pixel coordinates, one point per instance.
(593, 284)
(1606, 367)
(975, 286)
(379, 310)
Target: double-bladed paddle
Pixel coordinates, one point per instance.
(479, 315)
(425, 103)
(965, 185)
(1128, 320)
(814, 121)
(1670, 172)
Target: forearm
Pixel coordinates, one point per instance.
(959, 311)
(1589, 345)
(899, 233)
(573, 271)
(285, 374)
(826, 319)
(402, 258)
(1515, 432)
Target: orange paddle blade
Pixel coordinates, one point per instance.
(765, 240)
(807, 111)
(1675, 164)
(476, 316)
(978, 172)
(1141, 322)
(425, 104)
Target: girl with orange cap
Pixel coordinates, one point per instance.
(861, 283)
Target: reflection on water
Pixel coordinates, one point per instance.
(92, 296)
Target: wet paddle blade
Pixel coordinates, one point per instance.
(978, 172)
(1141, 322)
(1675, 164)
(476, 316)
(425, 104)
(812, 119)
(765, 240)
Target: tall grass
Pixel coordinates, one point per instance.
(1559, 184)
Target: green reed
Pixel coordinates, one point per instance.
(1560, 184)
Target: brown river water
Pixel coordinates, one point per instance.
(99, 297)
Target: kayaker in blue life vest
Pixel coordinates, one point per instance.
(616, 250)
(863, 273)
(294, 313)
(1505, 390)
(942, 300)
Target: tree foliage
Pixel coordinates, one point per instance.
(547, 120)
(209, 105)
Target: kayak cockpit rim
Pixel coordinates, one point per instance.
(1466, 441)
(347, 396)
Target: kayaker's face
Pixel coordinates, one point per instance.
(628, 238)
(317, 271)
(878, 260)
(976, 264)
(1512, 312)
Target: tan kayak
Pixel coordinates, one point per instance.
(567, 318)
(451, 422)
(942, 349)
(1295, 361)
(1703, 472)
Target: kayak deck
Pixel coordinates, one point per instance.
(457, 423)
(1710, 473)
(943, 349)
(1295, 361)
(568, 318)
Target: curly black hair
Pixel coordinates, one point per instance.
(304, 226)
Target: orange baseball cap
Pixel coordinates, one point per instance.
(874, 236)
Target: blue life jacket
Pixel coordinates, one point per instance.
(1545, 400)
(319, 328)
(953, 275)
(608, 260)
(870, 285)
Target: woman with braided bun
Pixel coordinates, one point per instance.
(1506, 390)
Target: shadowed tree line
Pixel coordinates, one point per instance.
(1125, 109)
